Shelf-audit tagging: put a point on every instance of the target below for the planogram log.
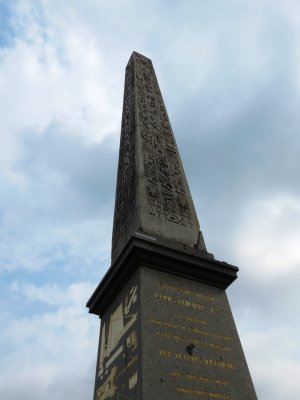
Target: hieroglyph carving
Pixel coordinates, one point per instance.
(125, 195)
(165, 190)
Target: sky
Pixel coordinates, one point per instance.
(229, 72)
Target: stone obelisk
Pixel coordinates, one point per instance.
(167, 331)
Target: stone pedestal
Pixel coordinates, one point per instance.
(167, 331)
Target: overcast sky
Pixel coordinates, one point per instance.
(229, 71)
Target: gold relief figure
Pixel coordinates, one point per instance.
(131, 341)
(120, 322)
(132, 381)
(108, 388)
(131, 300)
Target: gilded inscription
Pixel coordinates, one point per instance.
(180, 338)
(168, 324)
(186, 291)
(198, 392)
(196, 359)
(186, 303)
(191, 319)
(199, 378)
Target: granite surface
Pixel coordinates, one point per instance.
(152, 194)
(190, 345)
(167, 337)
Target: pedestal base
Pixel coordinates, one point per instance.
(168, 335)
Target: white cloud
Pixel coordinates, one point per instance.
(267, 241)
(275, 372)
(52, 294)
(50, 349)
(64, 247)
(54, 73)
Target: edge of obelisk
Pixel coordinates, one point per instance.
(143, 252)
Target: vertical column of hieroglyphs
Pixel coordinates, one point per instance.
(166, 192)
(126, 185)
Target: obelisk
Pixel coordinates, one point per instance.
(167, 331)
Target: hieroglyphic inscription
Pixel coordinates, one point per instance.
(125, 195)
(165, 190)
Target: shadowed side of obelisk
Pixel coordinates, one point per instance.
(126, 216)
(152, 196)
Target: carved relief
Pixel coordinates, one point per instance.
(144, 114)
(125, 195)
(164, 182)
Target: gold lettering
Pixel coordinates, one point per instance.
(191, 292)
(186, 303)
(198, 392)
(197, 359)
(168, 324)
(199, 378)
(165, 353)
(179, 338)
(191, 319)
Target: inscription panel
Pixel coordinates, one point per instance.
(191, 346)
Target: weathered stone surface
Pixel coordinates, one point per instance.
(152, 195)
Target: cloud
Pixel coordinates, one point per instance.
(52, 294)
(55, 347)
(62, 79)
(280, 366)
(61, 204)
(270, 233)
